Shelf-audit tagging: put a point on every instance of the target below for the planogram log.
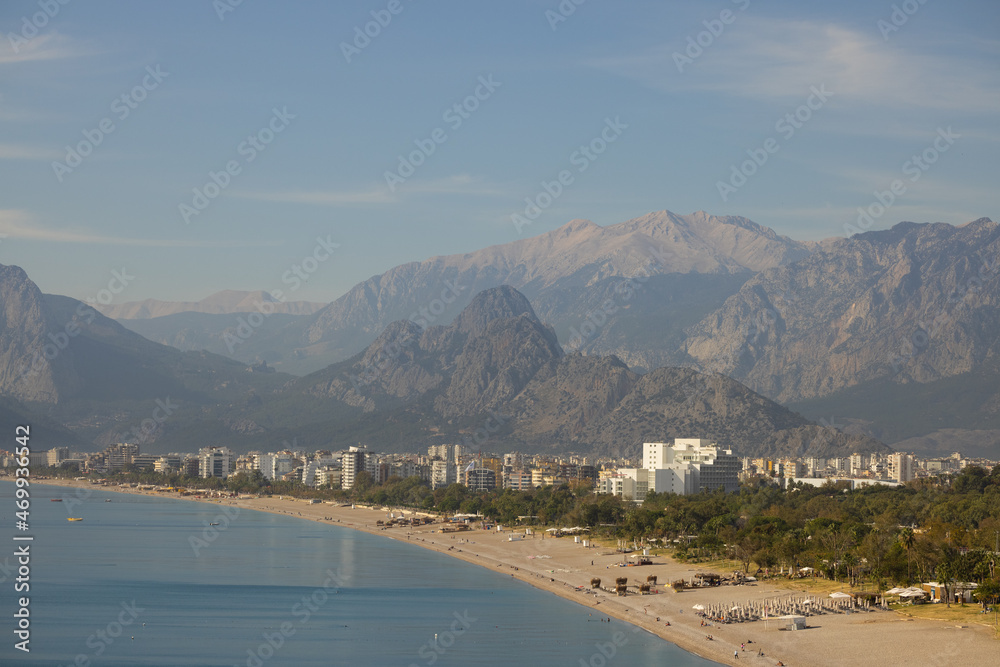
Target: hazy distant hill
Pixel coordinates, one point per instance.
(62, 359)
(221, 303)
(559, 271)
(498, 372)
(214, 333)
(886, 328)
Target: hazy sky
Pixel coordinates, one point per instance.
(309, 114)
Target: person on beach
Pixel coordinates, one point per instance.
(736, 654)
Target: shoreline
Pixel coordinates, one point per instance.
(565, 568)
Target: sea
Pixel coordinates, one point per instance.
(149, 581)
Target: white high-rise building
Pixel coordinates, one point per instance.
(215, 462)
(687, 466)
(443, 473)
(901, 467)
(352, 462)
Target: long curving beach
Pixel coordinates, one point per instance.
(565, 567)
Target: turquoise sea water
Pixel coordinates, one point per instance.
(125, 586)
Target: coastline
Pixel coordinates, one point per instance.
(565, 568)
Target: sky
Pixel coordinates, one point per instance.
(170, 150)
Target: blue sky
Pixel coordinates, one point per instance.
(206, 89)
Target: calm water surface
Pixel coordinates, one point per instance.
(125, 587)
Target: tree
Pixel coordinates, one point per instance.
(988, 592)
(906, 538)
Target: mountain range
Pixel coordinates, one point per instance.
(496, 373)
(497, 378)
(889, 335)
(682, 261)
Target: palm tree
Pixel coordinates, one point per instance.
(906, 538)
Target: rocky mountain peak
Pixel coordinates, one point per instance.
(492, 304)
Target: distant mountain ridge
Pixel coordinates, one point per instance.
(497, 364)
(61, 359)
(225, 302)
(555, 269)
(915, 303)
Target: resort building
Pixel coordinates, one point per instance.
(617, 484)
(215, 462)
(56, 456)
(687, 466)
(481, 479)
(442, 474)
(351, 463)
(167, 464)
(118, 456)
(519, 480)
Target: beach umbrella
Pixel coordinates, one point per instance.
(839, 596)
(699, 607)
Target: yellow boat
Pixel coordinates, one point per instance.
(71, 518)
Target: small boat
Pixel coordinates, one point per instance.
(107, 500)
(213, 524)
(74, 518)
(56, 500)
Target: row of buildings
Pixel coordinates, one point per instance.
(685, 466)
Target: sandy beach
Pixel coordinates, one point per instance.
(565, 567)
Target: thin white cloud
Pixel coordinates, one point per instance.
(47, 46)
(18, 224)
(320, 197)
(16, 152)
(767, 59)
(459, 184)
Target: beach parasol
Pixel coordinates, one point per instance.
(699, 607)
(839, 596)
